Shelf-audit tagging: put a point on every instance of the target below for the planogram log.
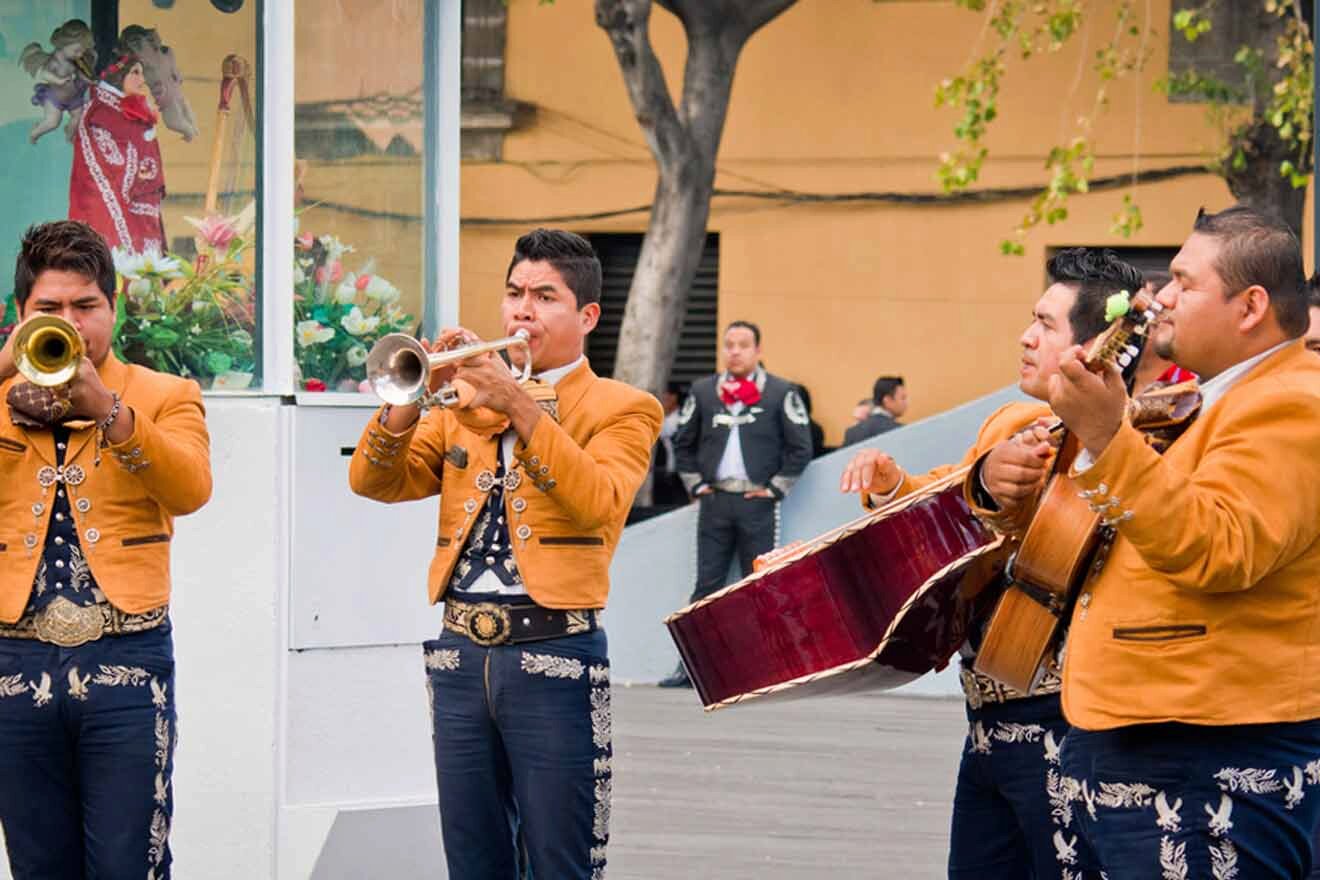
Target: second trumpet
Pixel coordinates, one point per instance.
(399, 368)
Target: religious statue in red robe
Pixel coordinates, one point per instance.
(118, 181)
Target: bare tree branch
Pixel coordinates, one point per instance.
(627, 22)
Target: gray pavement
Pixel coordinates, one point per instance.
(843, 787)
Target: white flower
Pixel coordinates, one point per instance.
(299, 276)
(153, 262)
(346, 292)
(357, 323)
(127, 263)
(334, 248)
(138, 288)
(395, 315)
(357, 356)
(311, 333)
(379, 288)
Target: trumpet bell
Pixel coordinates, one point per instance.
(48, 350)
(398, 369)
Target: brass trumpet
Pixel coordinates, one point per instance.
(48, 350)
(399, 368)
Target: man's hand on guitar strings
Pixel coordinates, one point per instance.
(1091, 403)
(1015, 469)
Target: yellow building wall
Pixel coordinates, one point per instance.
(837, 96)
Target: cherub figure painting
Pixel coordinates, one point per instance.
(64, 76)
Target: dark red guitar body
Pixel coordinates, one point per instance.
(872, 605)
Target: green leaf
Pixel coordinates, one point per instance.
(218, 362)
(161, 337)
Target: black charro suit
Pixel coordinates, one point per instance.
(774, 438)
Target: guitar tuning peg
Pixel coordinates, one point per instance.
(1133, 350)
(1124, 360)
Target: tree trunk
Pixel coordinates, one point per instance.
(1259, 183)
(684, 141)
(657, 300)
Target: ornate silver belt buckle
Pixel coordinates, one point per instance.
(68, 625)
(488, 624)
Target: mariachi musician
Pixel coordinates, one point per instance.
(535, 483)
(1191, 678)
(1003, 823)
(92, 474)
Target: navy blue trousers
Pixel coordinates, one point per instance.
(522, 756)
(1181, 800)
(1007, 818)
(87, 740)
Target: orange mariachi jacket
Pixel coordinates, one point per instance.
(566, 514)
(125, 504)
(1207, 610)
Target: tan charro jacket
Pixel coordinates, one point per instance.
(579, 476)
(1208, 608)
(125, 505)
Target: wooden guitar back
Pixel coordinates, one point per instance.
(1050, 564)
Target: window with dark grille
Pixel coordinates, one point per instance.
(698, 341)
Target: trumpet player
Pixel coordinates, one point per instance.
(535, 483)
(93, 469)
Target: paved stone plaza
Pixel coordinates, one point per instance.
(849, 787)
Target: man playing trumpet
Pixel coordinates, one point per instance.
(537, 482)
(92, 473)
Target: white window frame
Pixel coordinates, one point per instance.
(442, 53)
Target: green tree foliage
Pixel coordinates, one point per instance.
(1265, 121)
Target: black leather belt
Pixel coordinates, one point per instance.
(499, 623)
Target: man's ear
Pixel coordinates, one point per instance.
(1255, 306)
(589, 315)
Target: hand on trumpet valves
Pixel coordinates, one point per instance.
(88, 397)
(871, 471)
(449, 338)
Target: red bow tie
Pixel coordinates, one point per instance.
(742, 391)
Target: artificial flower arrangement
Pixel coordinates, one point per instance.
(197, 319)
(338, 314)
(193, 319)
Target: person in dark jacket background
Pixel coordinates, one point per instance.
(889, 399)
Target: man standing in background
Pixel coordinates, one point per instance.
(743, 440)
(889, 400)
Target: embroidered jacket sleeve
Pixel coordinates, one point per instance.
(687, 442)
(393, 467)
(170, 451)
(796, 425)
(594, 484)
(1229, 523)
(1002, 424)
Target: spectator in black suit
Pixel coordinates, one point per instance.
(889, 400)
